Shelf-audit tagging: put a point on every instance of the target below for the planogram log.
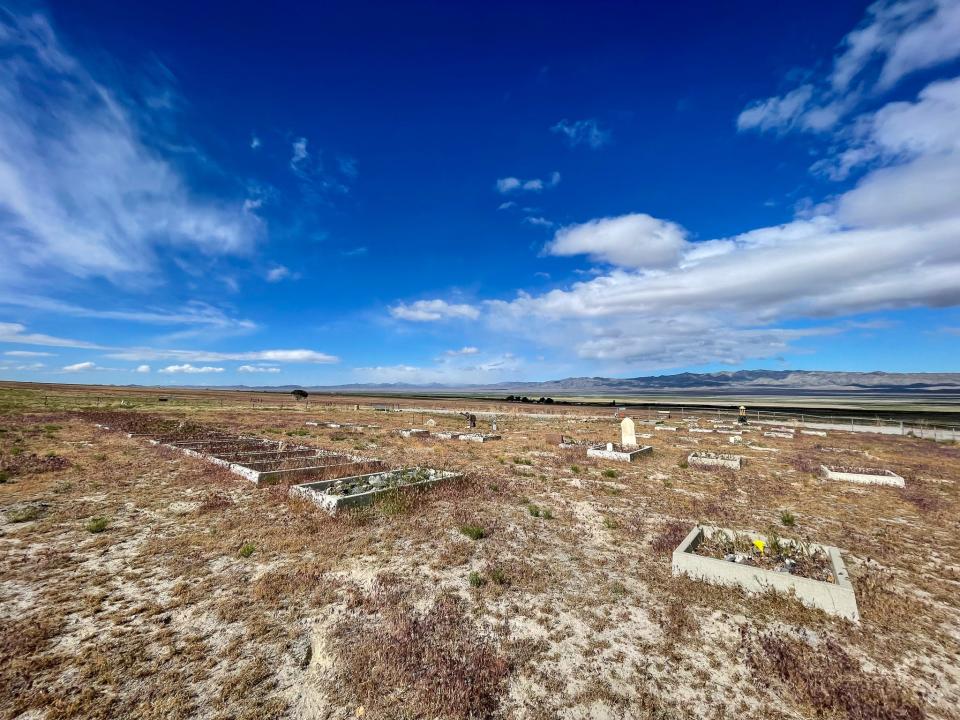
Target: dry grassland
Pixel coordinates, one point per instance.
(136, 582)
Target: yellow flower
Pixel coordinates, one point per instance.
(759, 545)
(361, 712)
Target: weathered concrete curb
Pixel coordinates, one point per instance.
(835, 598)
(709, 459)
(315, 492)
(623, 455)
(865, 476)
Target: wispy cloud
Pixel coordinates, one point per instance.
(583, 132)
(467, 350)
(16, 333)
(272, 369)
(81, 192)
(82, 367)
(189, 369)
(433, 310)
(896, 39)
(27, 353)
(507, 185)
(193, 313)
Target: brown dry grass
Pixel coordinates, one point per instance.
(579, 616)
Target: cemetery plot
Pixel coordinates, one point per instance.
(710, 459)
(478, 437)
(413, 432)
(618, 452)
(336, 495)
(862, 475)
(815, 574)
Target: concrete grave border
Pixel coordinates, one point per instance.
(711, 459)
(865, 476)
(605, 452)
(834, 598)
(316, 492)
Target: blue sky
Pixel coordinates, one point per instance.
(205, 193)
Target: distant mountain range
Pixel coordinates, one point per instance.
(751, 382)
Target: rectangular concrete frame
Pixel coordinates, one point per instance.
(873, 477)
(447, 435)
(705, 459)
(600, 451)
(315, 492)
(413, 432)
(267, 455)
(701, 430)
(478, 437)
(788, 436)
(818, 433)
(835, 598)
(665, 427)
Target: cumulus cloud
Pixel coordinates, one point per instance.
(433, 310)
(636, 240)
(582, 132)
(895, 39)
(143, 369)
(190, 369)
(890, 242)
(84, 189)
(467, 350)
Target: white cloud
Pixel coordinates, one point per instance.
(15, 333)
(289, 356)
(506, 205)
(538, 221)
(190, 369)
(512, 184)
(142, 369)
(890, 242)
(433, 310)
(278, 273)
(467, 350)
(583, 132)
(448, 371)
(254, 142)
(901, 36)
(193, 313)
(83, 192)
(300, 154)
(636, 240)
(27, 353)
(81, 367)
(258, 369)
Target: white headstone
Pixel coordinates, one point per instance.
(628, 433)
(430, 423)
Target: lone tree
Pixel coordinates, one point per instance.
(299, 394)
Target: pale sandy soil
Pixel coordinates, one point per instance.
(576, 614)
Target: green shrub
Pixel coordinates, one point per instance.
(247, 550)
(476, 580)
(4, 475)
(575, 469)
(610, 473)
(788, 518)
(97, 525)
(24, 514)
(499, 577)
(474, 532)
(683, 464)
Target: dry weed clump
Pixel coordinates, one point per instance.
(32, 463)
(394, 658)
(827, 679)
(669, 537)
